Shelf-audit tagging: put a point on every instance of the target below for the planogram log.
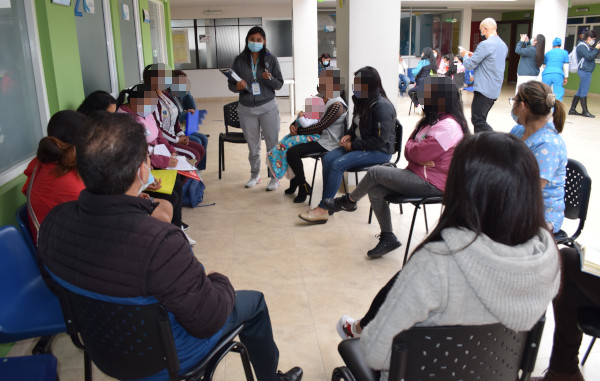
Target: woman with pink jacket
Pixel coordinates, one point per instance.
(428, 151)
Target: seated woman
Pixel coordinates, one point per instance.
(52, 176)
(370, 141)
(141, 102)
(426, 65)
(429, 150)
(531, 109)
(330, 130)
(98, 101)
(486, 262)
(166, 115)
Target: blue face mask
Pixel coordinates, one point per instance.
(515, 117)
(357, 93)
(255, 47)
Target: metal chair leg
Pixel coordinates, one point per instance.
(426, 224)
(87, 366)
(220, 153)
(312, 184)
(587, 353)
(412, 226)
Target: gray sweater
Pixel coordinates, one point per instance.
(242, 67)
(455, 282)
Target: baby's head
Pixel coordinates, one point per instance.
(315, 108)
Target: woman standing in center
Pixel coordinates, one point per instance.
(532, 58)
(260, 76)
(370, 140)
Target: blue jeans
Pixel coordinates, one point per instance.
(200, 139)
(585, 78)
(338, 161)
(403, 82)
(251, 310)
(555, 81)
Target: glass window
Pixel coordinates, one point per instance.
(20, 124)
(592, 20)
(279, 38)
(574, 20)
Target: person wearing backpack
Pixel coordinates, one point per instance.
(586, 53)
(556, 70)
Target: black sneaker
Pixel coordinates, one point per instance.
(340, 203)
(387, 242)
(294, 374)
(184, 226)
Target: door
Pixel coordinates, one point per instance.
(157, 31)
(510, 32)
(129, 34)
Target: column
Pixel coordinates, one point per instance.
(465, 28)
(305, 49)
(550, 19)
(368, 34)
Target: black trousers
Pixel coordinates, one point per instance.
(174, 198)
(480, 108)
(578, 290)
(294, 157)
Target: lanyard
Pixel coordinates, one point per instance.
(254, 67)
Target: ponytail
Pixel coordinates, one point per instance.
(121, 97)
(54, 150)
(559, 115)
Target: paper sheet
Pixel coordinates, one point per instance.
(162, 150)
(183, 165)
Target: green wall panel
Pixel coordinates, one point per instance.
(11, 199)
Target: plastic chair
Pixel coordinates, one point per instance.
(135, 341)
(578, 188)
(588, 321)
(485, 352)
(23, 223)
(231, 119)
(32, 368)
(29, 308)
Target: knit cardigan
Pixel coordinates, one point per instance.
(463, 280)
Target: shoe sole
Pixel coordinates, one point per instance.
(373, 256)
(316, 222)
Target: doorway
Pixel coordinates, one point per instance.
(510, 32)
(157, 31)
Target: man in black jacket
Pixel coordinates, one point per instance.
(106, 243)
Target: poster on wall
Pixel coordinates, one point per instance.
(66, 3)
(125, 11)
(146, 14)
(89, 6)
(181, 51)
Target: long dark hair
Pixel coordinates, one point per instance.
(428, 55)
(97, 101)
(324, 55)
(264, 51)
(443, 98)
(66, 131)
(493, 188)
(137, 92)
(540, 50)
(370, 76)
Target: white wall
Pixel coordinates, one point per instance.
(550, 19)
(305, 49)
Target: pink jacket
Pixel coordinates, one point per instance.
(434, 144)
(153, 137)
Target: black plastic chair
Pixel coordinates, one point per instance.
(588, 320)
(578, 188)
(486, 352)
(397, 151)
(230, 116)
(135, 341)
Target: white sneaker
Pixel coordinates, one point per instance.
(253, 181)
(273, 184)
(190, 240)
(346, 327)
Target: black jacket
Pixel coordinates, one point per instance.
(109, 244)
(378, 131)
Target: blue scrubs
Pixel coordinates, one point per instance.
(553, 75)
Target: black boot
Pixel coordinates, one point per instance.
(573, 110)
(304, 191)
(294, 374)
(387, 243)
(585, 111)
(293, 186)
(340, 203)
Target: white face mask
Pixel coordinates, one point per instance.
(150, 179)
(148, 109)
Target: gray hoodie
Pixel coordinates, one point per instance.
(242, 67)
(456, 282)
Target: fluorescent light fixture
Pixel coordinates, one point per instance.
(212, 13)
(582, 9)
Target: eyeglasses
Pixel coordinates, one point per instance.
(512, 101)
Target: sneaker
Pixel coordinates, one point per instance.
(555, 376)
(253, 181)
(346, 328)
(312, 217)
(387, 242)
(273, 184)
(340, 203)
(190, 240)
(184, 226)
(294, 374)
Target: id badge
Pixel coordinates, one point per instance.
(255, 88)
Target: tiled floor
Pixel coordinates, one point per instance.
(313, 274)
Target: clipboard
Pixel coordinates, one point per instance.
(232, 76)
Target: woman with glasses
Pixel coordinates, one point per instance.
(531, 109)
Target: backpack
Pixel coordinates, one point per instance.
(574, 62)
(192, 193)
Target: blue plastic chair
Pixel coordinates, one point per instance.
(23, 222)
(29, 308)
(410, 74)
(32, 368)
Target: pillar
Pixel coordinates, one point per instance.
(550, 19)
(305, 49)
(465, 28)
(369, 35)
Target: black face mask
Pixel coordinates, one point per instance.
(483, 37)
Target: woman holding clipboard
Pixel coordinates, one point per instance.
(259, 77)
